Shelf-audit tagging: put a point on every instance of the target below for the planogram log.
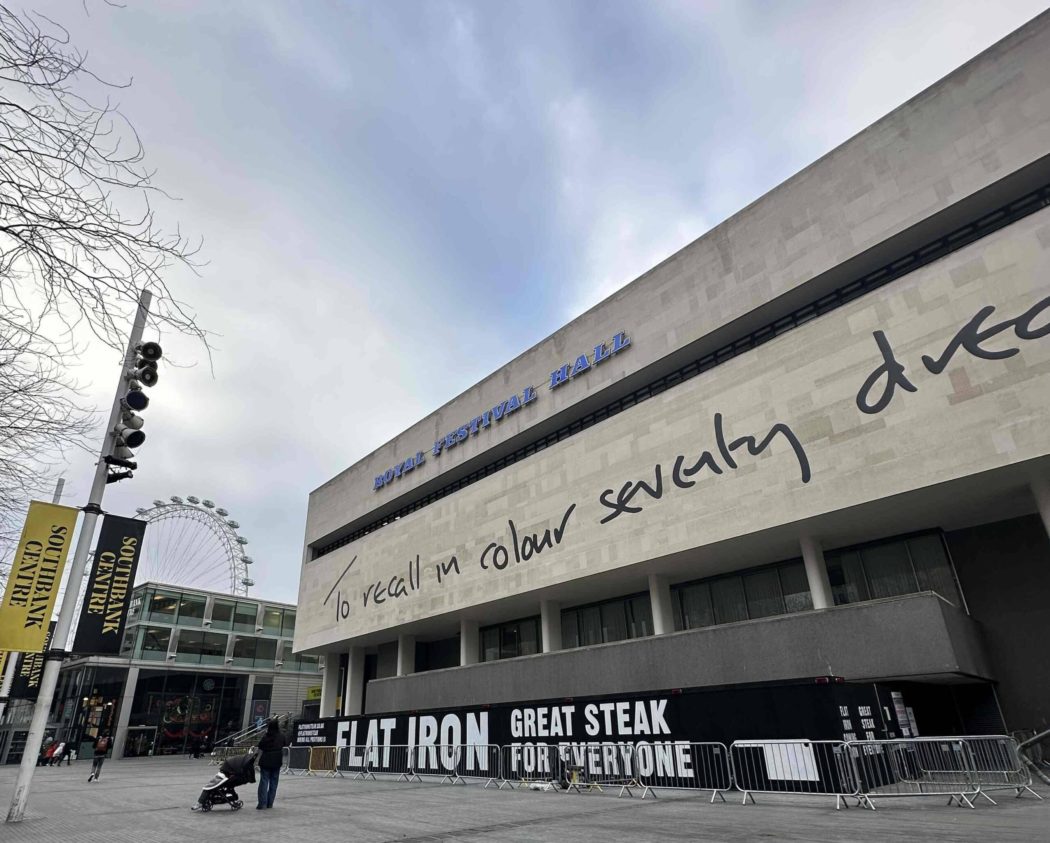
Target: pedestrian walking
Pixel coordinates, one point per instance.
(101, 748)
(56, 754)
(67, 754)
(270, 760)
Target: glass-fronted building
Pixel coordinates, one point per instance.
(194, 667)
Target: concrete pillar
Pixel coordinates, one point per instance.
(127, 700)
(354, 691)
(406, 655)
(1041, 491)
(816, 573)
(329, 684)
(550, 625)
(468, 642)
(660, 597)
(173, 644)
(249, 692)
(209, 609)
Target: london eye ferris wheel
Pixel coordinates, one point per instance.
(194, 543)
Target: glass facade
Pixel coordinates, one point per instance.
(903, 565)
(508, 640)
(744, 595)
(173, 709)
(611, 620)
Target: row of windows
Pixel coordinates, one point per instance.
(193, 646)
(883, 569)
(186, 609)
(855, 289)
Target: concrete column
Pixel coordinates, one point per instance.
(127, 700)
(468, 642)
(209, 609)
(249, 692)
(1041, 491)
(173, 644)
(406, 655)
(329, 684)
(660, 597)
(550, 625)
(354, 691)
(816, 573)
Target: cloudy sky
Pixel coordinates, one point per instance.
(396, 198)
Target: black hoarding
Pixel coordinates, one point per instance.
(105, 608)
(30, 671)
(660, 725)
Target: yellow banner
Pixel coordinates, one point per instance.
(36, 572)
(313, 693)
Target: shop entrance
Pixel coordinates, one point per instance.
(139, 742)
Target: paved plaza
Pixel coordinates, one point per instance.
(148, 800)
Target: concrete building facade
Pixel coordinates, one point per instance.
(814, 445)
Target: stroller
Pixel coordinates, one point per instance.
(220, 789)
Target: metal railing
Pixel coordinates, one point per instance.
(959, 768)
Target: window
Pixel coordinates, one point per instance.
(312, 662)
(163, 606)
(222, 614)
(509, 640)
(746, 595)
(244, 617)
(191, 610)
(201, 647)
(288, 625)
(891, 568)
(602, 623)
(155, 642)
(244, 651)
(265, 652)
(272, 620)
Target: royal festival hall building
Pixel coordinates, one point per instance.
(794, 481)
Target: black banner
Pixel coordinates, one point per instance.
(105, 608)
(30, 671)
(661, 725)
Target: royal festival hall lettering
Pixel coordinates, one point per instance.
(489, 417)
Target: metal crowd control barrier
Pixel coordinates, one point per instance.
(997, 765)
(596, 766)
(323, 761)
(793, 767)
(683, 766)
(354, 759)
(914, 767)
(523, 764)
(298, 763)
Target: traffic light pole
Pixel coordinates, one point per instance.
(54, 656)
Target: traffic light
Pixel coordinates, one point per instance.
(127, 434)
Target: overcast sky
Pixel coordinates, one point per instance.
(396, 198)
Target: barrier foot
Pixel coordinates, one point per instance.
(647, 790)
(452, 779)
(625, 788)
(1021, 791)
(719, 794)
(986, 796)
(963, 800)
(504, 782)
(840, 802)
(492, 781)
(747, 795)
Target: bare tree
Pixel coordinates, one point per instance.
(78, 238)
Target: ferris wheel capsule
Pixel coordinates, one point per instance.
(193, 499)
(176, 499)
(209, 504)
(158, 502)
(221, 511)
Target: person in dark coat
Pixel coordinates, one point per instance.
(270, 761)
(102, 742)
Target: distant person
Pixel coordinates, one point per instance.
(45, 747)
(102, 743)
(56, 754)
(67, 754)
(270, 760)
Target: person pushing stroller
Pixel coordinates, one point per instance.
(221, 788)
